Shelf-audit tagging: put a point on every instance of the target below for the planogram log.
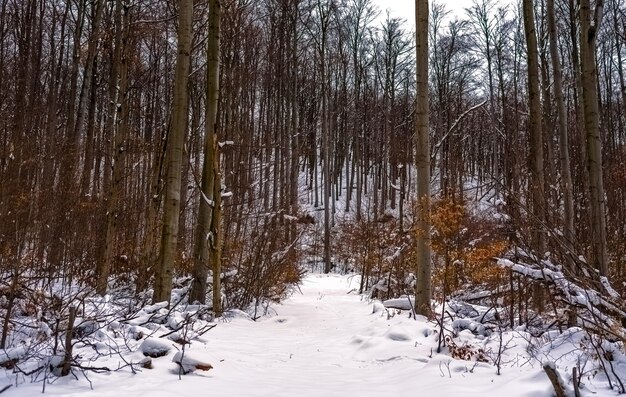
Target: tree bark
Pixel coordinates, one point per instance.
(120, 128)
(324, 11)
(169, 233)
(422, 162)
(207, 250)
(618, 50)
(589, 77)
(535, 132)
(566, 174)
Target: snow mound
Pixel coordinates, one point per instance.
(10, 357)
(398, 334)
(154, 347)
(189, 364)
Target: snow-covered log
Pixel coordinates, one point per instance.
(405, 303)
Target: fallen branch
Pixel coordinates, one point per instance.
(605, 313)
(555, 379)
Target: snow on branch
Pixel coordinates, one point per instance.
(606, 312)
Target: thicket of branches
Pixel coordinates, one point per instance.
(315, 111)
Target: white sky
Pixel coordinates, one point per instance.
(406, 8)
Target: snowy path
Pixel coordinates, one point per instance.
(323, 342)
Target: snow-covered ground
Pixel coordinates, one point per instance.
(325, 341)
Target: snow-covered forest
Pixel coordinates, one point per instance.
(310, 197)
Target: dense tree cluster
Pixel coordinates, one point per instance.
(102, 103)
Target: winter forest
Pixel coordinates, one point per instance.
(312, 197)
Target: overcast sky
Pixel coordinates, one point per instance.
(406, 8)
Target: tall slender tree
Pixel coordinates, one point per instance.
(536, 181)
(422, 162)
(589, 27)
(176, 138)
(566, 173)
(207, 249)
(119, 124)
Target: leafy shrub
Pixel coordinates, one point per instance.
(464, 247)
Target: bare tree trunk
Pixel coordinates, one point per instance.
(207, 247)
(293, 105)
(66, 184)
(89, 90)
(582, 203)
(215, 255)
(120, 127)
(589, 77)
(618, 50)
(535, 131)
(88, 162)
(67, 358)
(422, 163)
(566, 174)
(537, 178)
(169, 234)
(151, 232)
(324, 11)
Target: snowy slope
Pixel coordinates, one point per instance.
(323, 342)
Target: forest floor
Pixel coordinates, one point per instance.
(324, 341)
